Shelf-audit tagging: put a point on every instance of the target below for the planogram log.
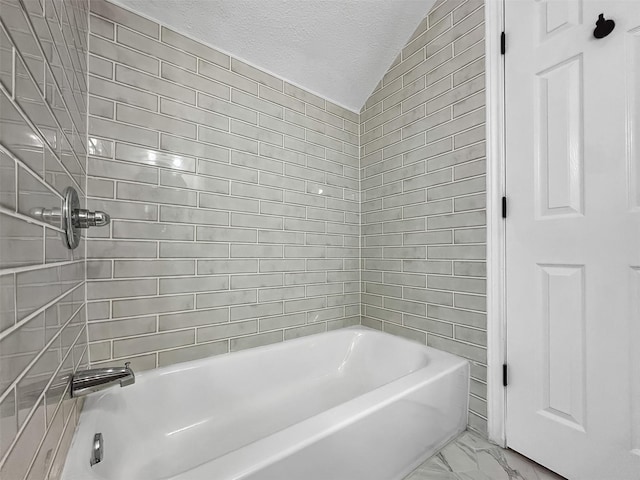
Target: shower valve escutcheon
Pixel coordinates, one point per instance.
(71, 218)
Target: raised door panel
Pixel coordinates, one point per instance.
(559, 139)
(563, 344)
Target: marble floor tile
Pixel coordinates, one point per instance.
(471, 457)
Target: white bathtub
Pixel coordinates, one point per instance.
(345, 405)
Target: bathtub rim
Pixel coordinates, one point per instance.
(146, 375)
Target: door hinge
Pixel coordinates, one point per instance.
(504, 207)
(504, 375)
(503, 43)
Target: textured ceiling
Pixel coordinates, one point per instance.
(339, 49)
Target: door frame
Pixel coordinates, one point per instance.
(496, 240)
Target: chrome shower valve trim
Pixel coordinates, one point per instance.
(71, 218)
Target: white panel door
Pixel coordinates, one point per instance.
(573, 236)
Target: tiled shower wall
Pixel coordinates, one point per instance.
(43, 100)
(423, 192)
(234, 198)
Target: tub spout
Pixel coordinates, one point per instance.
(93, 380)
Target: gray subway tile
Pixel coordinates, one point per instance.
(123, 55)
(159, 85)
(192, 114)
(470, 302)
(155, 194)
(150, 305)
(161, 123)
(297, 332)
(254, 103)
(121, 15)
(471, 136)
(471, 235)
(256, 221)
(232, 235)
(101, 167)
(155, 48)
(220, 299)
(304, 95)
(193, 148)
(259, 251)
(102, 27)
(251, 341)
(226, 202)
(471, 202)
(199, 216)
(471, 335)
(470, 269)
(471, 169)
(121, 328)
(177, 40)
(98, 290)
(436, 28)
(151, 343)
(458, 29)
(281, 321)
(227, 266)
(280, 293)
(227, 77)
(101, 108)
(458, 316)
(121, 93)
(193, 284)
(457, 284)
(151, 231)
(258, 162)
(408, 333)
(428, 325)
(122, 132)
(456, 157)
(252, 311)
(121, 249)
(196, 182)
(462, 187)
(193, 250)
(176, 321)
(224, 139)
(465, 9)
(464, 219)
(457, 252)
(255, 74)
(465, 350)
(152, 268)
(195, 352)
(281, 99)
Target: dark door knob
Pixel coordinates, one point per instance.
(603, 27)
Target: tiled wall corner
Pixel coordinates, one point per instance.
(234, 198)
(43, 335)
(422, 138)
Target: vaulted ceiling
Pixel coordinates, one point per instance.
(339, 49)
